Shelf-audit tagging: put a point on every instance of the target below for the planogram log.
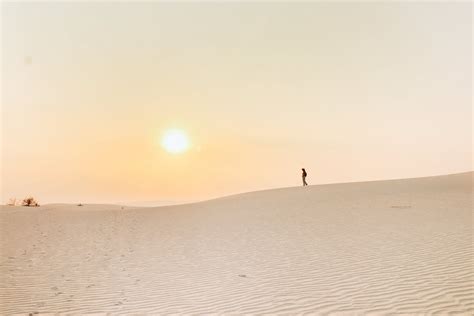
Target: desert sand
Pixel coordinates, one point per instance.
(385, 247)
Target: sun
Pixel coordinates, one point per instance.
(175, 141)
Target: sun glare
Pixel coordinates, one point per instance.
(175, 141)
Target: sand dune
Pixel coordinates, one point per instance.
(389, 247)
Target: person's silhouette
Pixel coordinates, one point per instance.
(303, 175)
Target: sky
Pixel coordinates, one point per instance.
(349, 91)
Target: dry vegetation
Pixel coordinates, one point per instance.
(29, 201)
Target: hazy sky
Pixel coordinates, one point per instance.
(351, 92)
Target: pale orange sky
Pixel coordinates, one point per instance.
(351, 92)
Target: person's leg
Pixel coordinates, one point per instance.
(304, 181)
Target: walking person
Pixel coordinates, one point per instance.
(303, 175)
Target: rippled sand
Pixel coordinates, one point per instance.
(390, 247)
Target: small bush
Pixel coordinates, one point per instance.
(29, 201)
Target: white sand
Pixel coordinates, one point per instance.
(401, 247)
